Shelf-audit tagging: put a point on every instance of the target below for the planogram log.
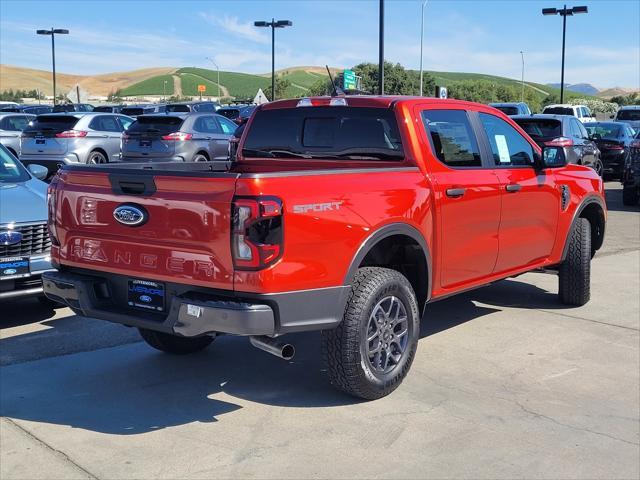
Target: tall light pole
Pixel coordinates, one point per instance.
(522, 95)
(273, 24)
(218, 70)
(564, 13)
(424, 3)
(164, 91)
(53, 32)
(381, 49)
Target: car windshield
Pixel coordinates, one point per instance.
(508, 110)
(558, 110)
(633, 115)
(326, 133)
(541, 127)
(11, 170)
(609, 131)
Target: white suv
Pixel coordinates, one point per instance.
(581, 112)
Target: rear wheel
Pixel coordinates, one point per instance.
(168, 343)
(200, 157)
(370, 352)
(598, 167)
(574, 276)
(96, 157)
(630, 196)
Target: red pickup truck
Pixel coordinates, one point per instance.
(341, 214)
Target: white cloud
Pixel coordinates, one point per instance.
(232, 25)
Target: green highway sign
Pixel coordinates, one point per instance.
(349, 80)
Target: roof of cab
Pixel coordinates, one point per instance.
(377, 101)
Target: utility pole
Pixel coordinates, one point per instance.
(381, 50)
(522, 96)
(424, 3)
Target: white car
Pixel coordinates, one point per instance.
(581, 112)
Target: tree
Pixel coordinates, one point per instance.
(282, 84)
(397, 80)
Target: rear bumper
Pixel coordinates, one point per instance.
(194, 311)
(142, 159)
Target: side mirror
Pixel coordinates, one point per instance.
(553, 157)
(38, 171)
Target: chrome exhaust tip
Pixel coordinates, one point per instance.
(286, 351)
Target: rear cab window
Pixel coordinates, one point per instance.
(559, 111)
(325, 133)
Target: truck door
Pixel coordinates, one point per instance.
(530, 197)
(467, 197)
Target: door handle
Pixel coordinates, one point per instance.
(513, 187)
(455, 192)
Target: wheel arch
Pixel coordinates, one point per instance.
(401, 247)
(99, 150)
(593, 209)
(204, 153)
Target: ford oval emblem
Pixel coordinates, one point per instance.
(145, 298)
(9, 271)
(130, 215)
(10, 237)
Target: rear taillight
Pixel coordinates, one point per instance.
(560, 142)
(177, 136)
(256, 237)
(635, 144)
(71, 134)
(51, 209)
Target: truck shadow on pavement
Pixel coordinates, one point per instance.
(132, 389)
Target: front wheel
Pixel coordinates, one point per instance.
(168, 343)
(574, 276)
(370, 352)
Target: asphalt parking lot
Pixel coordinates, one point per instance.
(507, 383)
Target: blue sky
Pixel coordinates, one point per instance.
(603, 47)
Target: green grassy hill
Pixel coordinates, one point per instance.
(245, 86)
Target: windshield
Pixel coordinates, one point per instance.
(324, 132)
(541, 128)
(229, 112)
(609, 131)
(178, 108)
(633, 115)
(558, 111)
(11, 170)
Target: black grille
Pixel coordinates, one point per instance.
(35, 240)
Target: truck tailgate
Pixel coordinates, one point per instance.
(184, 239)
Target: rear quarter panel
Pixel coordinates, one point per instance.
(319, 246)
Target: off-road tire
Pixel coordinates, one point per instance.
(344, 349)
(630, 196)
(174, 344)
(574, 276)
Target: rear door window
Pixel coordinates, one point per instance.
(207, 124)
(575, 128)
(105, 123)
(509, 148)
(125, 122)
(452, 138)
(331, 132)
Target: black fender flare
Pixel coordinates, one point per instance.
(382, 233)
(588, 200)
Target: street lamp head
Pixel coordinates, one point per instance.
(44, 32)
(260, 24)
(549, 11)
(61, 31)
(580, 9)
(283, 23)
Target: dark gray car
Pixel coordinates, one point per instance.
(178, 137)
(11, 126)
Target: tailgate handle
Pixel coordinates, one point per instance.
(132, 184)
